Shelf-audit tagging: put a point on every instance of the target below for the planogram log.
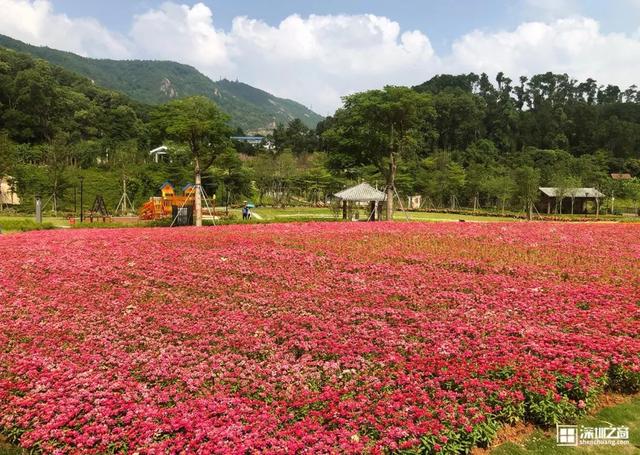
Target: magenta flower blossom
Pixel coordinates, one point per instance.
(327, 337)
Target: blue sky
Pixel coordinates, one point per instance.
(443, 20)
(348, 45)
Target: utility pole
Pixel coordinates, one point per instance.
(613, 200)
(38, 209)
(391, 181)
(198, 202)
(81, 200)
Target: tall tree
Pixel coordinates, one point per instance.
(527, 187)
(197, 122)
(379, 126)
(7, 158)
(441, 178)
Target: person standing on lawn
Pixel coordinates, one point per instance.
(246, 214)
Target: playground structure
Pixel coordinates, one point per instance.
(157, 208)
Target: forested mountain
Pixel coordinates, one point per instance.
(155, 82)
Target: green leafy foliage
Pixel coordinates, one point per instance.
(458, 141)
(39, 101)
(156, 82)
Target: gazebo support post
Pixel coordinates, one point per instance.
(344, 210)
(372, 211)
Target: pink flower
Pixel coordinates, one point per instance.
(326, 337)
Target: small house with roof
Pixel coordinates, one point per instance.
(158, 152)
(363, 195)
(569, 200)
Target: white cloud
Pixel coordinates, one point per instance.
(35, 22)
(182, 33)
(576, 46)
(317, 59)
(314, 60)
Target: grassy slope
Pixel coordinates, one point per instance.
(8, 449)
(543, 443)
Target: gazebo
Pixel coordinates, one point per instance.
(362, 193)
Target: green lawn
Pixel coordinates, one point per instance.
(320, 213)
(8, 449)
(28, 223)
(11, 223)
(544, 443)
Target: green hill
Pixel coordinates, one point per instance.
(44, 103)
(155, 82)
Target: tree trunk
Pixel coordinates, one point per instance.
(613, 200)
(198, 200)
(391, 184)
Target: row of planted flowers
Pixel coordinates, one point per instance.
(327, 337)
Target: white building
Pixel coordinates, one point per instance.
(7, 195)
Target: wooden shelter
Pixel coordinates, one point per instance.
(623, 176)
(365, 195)
(568, 200)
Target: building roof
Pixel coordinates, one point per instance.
(569, 192)
(621, 176)
(247, 138)
(362, 192)
(165, 184)
(162, 150)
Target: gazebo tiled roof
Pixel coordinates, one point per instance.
(575, 192)
(361, 193)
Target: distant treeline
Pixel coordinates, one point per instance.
(464, 138)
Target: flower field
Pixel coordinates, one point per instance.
(334, 337)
